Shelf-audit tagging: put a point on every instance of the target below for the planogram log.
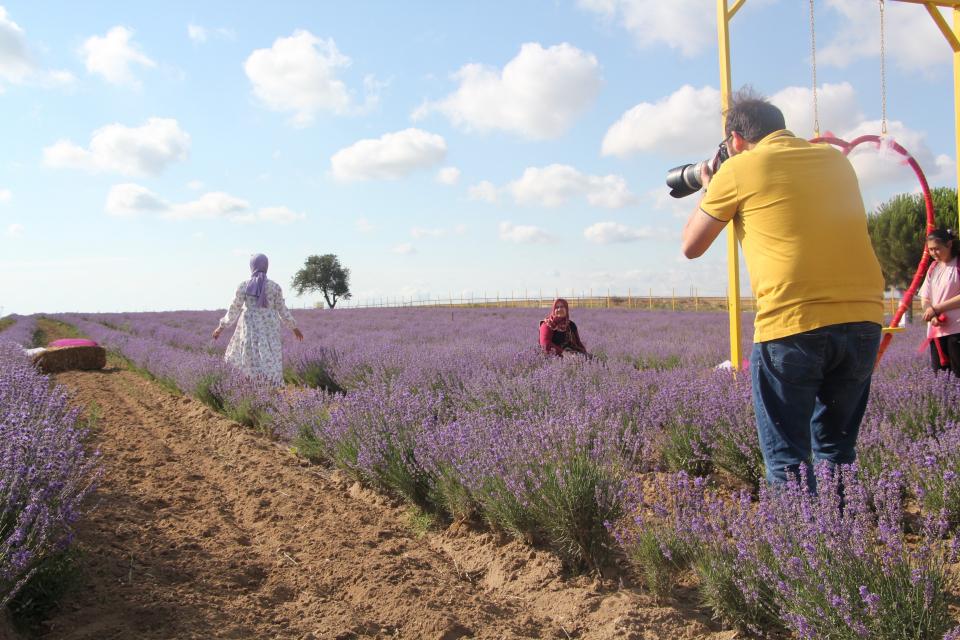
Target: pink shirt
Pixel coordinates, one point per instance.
(942, 283)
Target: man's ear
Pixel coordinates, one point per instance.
(738, 142)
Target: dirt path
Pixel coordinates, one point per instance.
(204, 529)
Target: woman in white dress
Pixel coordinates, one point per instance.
(257, 309)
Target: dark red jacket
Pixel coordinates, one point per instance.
(556, 341)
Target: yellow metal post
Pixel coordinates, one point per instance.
(956, 98)
(724, 14)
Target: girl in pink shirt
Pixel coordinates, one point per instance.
(940, 296)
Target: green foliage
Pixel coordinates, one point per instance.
(503, 511)
(575, 498)
(313, 374)
(6, 322)
(307, 444)
(898, 229)
(722, 590)
(742, 460)
(685, 449)
(450, 495)
(419, 521)
(54, 577)
(326, 275)
(659, 556)
(204, 391)
(399, 471)
(657, 363)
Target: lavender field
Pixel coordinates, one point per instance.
(46, 470)
(646, 452)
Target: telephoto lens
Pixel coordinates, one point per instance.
(685, 179)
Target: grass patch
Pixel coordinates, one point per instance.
(307, 445)
(49, 330)
(419, 521)
(6, 322)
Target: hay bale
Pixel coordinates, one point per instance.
(70, 358)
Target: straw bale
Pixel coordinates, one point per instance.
(69, 358)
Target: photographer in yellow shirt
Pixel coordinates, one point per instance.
(798, 214)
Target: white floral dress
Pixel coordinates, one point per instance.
(255, 347)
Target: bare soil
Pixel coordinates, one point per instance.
(204, 529)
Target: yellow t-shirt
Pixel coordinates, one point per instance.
(797, 211)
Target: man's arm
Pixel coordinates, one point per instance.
(699, 233)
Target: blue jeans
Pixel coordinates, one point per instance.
(809, 393)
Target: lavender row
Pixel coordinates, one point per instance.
(21, 331)
(46, 473)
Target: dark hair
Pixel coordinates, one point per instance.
(943, 236)
(752, 116)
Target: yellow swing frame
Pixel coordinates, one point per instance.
(725, 13)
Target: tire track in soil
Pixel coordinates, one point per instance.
(204, 529)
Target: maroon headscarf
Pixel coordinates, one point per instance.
(556, 323)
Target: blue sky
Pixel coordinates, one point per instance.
(437, 147)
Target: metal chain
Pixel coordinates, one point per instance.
(813, 59)
(883, 74)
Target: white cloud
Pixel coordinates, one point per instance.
(484, 191)
(448, 175)
(391, 156)
(113, 56)
(195, 185)
(363, 226)
(421, 232)
(679, 208)
(537, 95)
(215, 204)
(681, 123)
(557, 184)
(197, 33)
(686, 25)
(883, 166)
(404, 249)
(281, 215)
(614, 232)
(299, 74)
(5, 196)
(15, 62)
(523, 234)
(913, 41)
(15, 230)
(836, 105)
(132, 151)
(131, 199)
(55, 79)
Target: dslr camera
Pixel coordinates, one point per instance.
(685, 179)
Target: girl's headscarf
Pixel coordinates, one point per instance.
(556, 323)
(257, 285)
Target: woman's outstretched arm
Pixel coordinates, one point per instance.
(278, 304)
(232, 313)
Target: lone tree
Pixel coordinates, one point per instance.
(898, 231)
(326, 275)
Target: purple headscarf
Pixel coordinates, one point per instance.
(257, 285)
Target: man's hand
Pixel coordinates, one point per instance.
(299, 336)
(929, 314)
(217, 332)
(706, 175)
